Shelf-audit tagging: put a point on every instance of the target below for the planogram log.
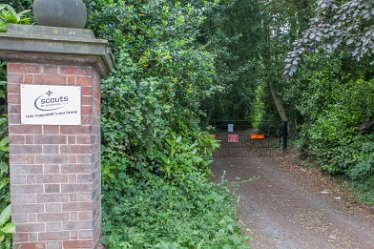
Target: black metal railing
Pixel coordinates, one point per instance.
(241, 134)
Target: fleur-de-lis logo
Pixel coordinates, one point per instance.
(49, 93)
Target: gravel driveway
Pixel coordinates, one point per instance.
(288, 207)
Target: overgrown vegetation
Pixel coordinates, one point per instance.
(179, 63)
(335, 90)
(155, 160)
(333, 101)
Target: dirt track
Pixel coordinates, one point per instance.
(288, 207)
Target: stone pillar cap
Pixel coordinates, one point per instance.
(42, 44)
(60, 13)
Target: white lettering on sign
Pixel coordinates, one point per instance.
(50, 105)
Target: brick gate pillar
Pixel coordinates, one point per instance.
(54, 129)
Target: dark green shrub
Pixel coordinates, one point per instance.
(155, 160)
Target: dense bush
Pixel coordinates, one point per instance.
(155, 174)
(334, 89)
(160, 215)
(333, 96)
(155, 161)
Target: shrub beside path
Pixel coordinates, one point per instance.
(289, 207)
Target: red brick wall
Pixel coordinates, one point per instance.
(55, 170)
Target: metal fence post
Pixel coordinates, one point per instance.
(285, 136)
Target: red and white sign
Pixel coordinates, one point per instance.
(233, 138)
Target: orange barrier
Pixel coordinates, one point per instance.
(257, 136)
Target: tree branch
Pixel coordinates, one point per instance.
(365, 127)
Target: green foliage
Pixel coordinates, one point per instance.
(331, 111)
(156, 214)
(334, 96)
(155, 169)
(19, 5)
(337, 25)
(253, 38)
(4, 171)
(334, 90)
(365, 188)
(9, 15)
(182, 159)
(331, 95)
(6, 228)
(155, 161)
(258, 111)
(233, 30)
(156, 192)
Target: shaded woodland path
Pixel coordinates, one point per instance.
(288, 207)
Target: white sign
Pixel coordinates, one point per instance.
(50, 105)
(230, 128)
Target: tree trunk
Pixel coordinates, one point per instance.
(278, 103)
(211, 111)
(269, 62)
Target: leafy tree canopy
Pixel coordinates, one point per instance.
(348, 25)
